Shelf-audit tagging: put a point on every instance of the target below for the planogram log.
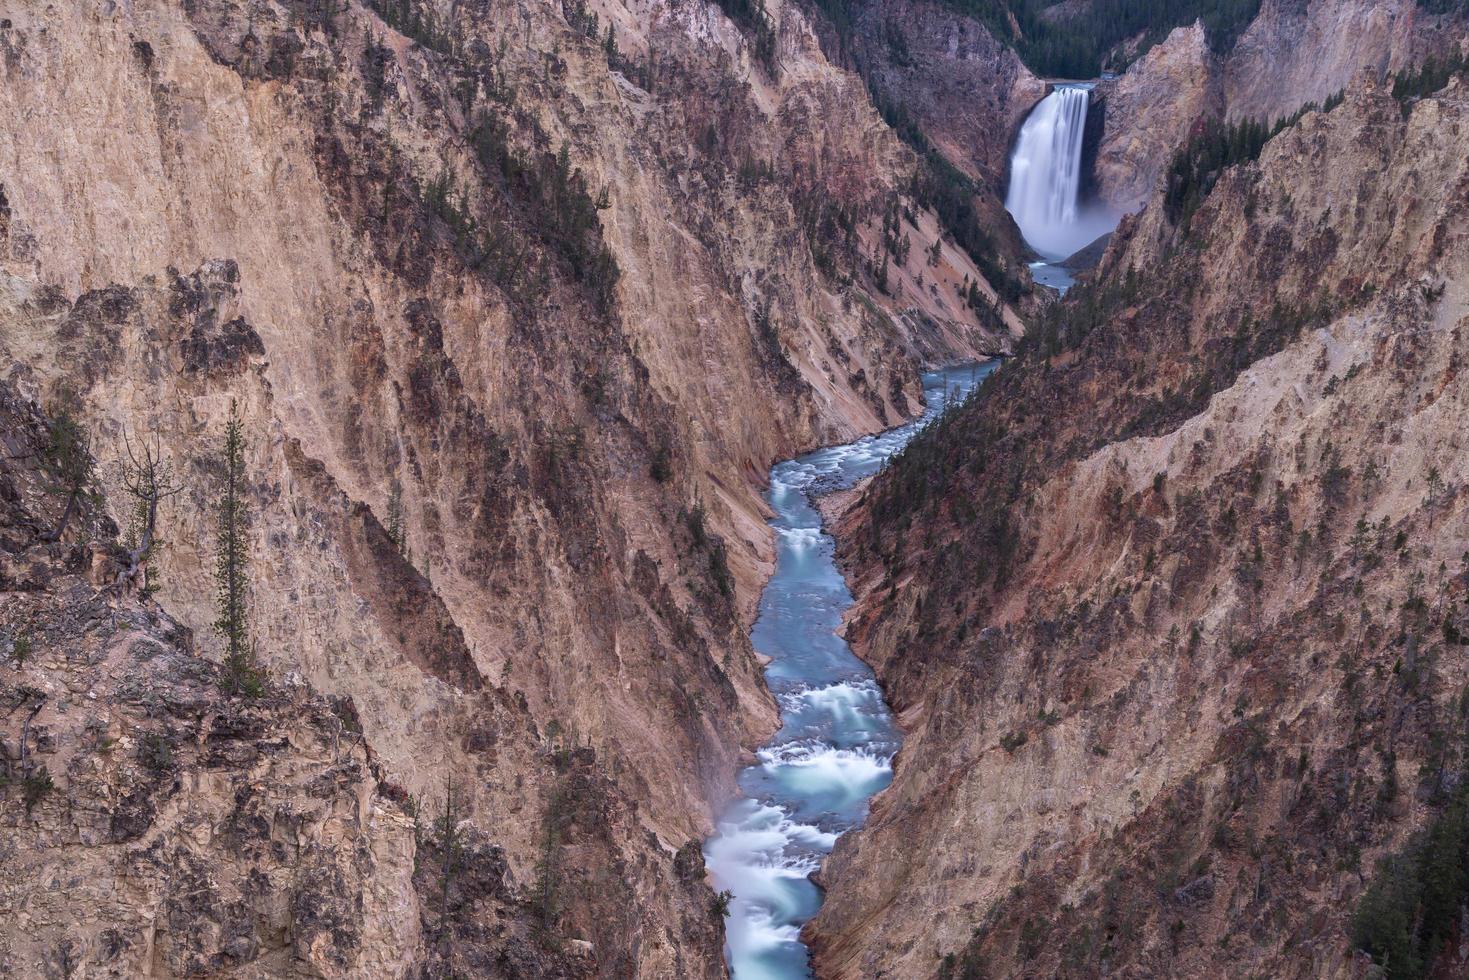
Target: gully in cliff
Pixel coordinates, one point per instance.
(837, 739)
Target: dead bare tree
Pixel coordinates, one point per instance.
(148, 480)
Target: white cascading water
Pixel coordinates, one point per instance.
(1045, 177)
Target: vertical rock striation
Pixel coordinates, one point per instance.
(1293, 53)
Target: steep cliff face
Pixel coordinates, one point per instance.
(1148, 113)
(1174, 618)
(515, 317)
(965, 90)
(157, 827)
(955, 93)
(1293, 53)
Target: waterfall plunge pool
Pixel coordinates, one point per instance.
(837, 739)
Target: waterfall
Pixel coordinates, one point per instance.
(1045, 177)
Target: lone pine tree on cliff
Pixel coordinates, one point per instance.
(67, 462)
(231, 572)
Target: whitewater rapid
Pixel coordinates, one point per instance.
(835, 747)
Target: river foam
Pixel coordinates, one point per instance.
(835, 748)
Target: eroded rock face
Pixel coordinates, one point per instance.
(188, 834)
(1293, 53)
(152, 825)
(157, 826)
(966, 90)
(944, 75)
(1175, 643)
(1149, 112)
(395, 255)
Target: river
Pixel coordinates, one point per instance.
(837, 739)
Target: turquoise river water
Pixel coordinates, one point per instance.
(837, 739)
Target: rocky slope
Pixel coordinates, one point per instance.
(1294, 52)
(967, 92)
(155, 826)
(946, 84)
(1147, 114)
(1173, 612)
(516, 316)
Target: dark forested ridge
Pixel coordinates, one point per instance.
(1083, 43)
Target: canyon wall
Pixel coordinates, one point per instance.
(965, 90)
(1148, 113)
(157, 827)
(1293, 53)
(948, 86)
(515, 314)
(1172, 613)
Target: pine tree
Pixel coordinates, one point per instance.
(548, 870)
(67, 461)
(397, 532)
(395, 516)
(231, 574)
(451, 843)
(1359, 540)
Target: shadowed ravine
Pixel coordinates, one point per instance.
(837, 739)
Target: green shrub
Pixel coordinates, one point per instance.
(35, 785)
(719, 906)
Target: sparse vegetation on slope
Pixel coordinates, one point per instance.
(1428, 77)
(1220, 145)
(754, 20)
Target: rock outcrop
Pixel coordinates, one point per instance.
(1149, 112)
(1172, 613)
(1294, 53)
